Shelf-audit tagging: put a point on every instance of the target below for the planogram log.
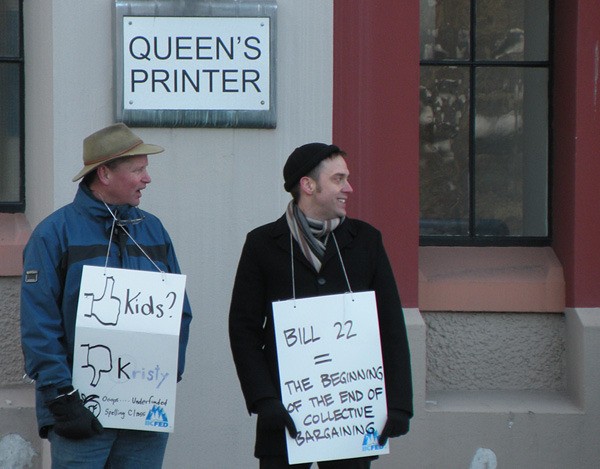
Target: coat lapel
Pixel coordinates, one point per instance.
(344, 234)
(281, 233)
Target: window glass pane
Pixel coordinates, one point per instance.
(512, 30)
(511, 151)
(9, 28)
(484, 175)
(444, 29)
(10, 174)
(444, 150)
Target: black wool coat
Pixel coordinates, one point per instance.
(264, 275)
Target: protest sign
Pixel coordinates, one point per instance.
(126, 346)
(331, 375)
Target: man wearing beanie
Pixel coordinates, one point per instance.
(312, 250)
(103, 226)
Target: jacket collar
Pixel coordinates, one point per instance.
(89, 206)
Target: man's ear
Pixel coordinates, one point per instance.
(103, 174)
(307, 185)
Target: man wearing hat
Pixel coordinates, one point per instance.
(312, 250)
(103, 227)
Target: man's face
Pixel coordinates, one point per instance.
(127, 180)
(332, 190)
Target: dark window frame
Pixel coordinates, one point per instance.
(472, 239)
(19, 205)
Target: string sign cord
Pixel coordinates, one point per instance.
(293, 272)
(342, 262)
(115, 221)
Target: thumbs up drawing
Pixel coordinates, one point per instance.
(106, 307)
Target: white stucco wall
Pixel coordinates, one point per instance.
(485, 351)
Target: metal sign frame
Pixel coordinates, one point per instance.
(184, 116)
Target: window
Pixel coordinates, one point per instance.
(12, 190)
(484, 122)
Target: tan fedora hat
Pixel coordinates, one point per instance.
(112, 142)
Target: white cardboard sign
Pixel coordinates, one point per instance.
(331, 376)
(126, 346)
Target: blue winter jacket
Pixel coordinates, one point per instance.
(71, 237)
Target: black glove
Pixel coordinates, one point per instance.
(73, 419)
(397, 425)
(273, 416)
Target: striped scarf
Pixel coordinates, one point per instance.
(310, 234)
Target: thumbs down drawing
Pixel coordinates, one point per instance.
(99, 359)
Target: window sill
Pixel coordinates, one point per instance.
(506, 279)
(14, 234)
(517, 402)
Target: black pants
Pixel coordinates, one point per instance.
(280, 462)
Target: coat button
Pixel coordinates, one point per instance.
(321, 281)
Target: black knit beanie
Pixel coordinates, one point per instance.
(303, 159)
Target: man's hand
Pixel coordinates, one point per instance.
(273, 416)
(397, 425)
(73, 419)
